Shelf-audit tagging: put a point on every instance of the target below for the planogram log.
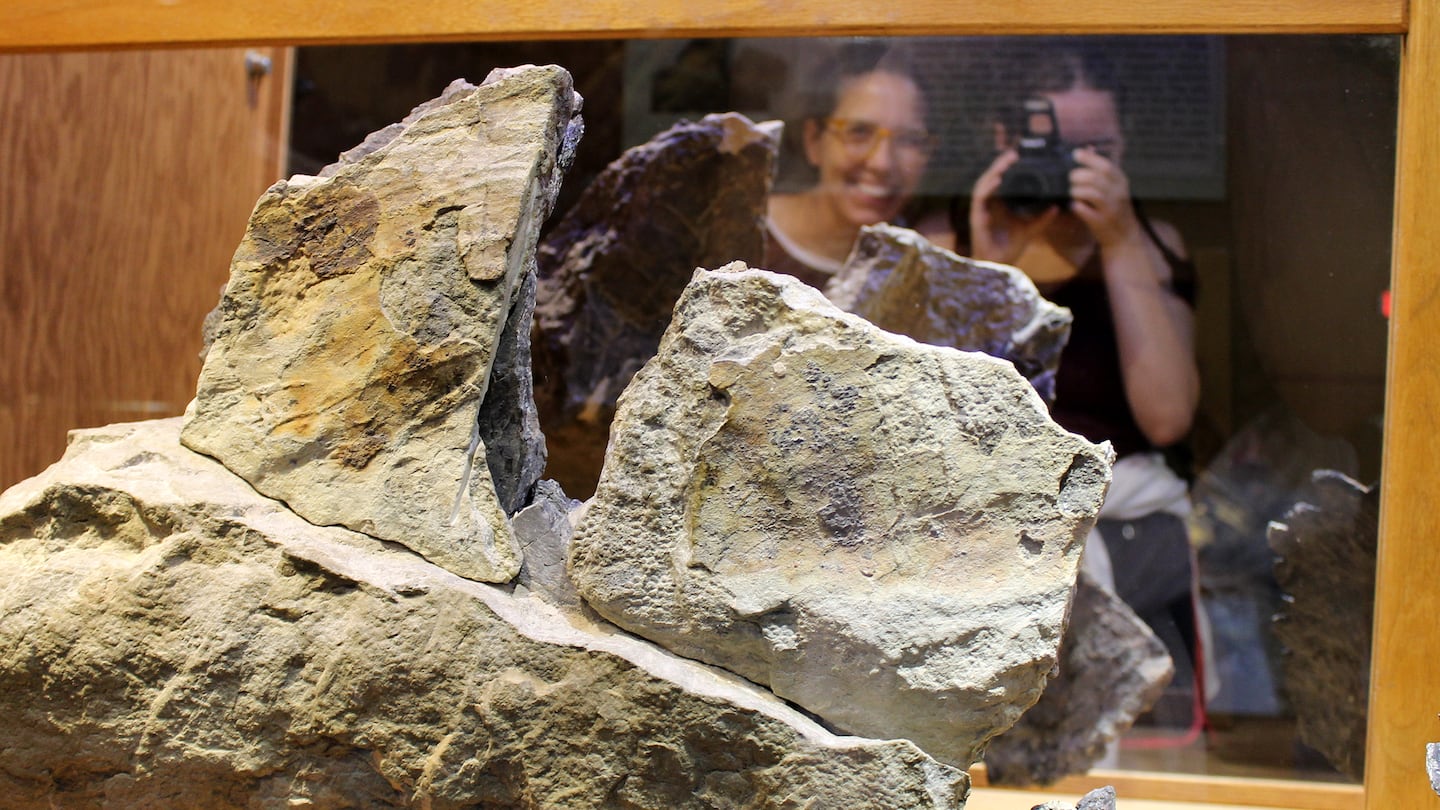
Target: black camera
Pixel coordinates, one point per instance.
(1040, 179)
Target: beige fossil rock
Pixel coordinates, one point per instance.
(884, 532)
(169, 638)
(366, 307)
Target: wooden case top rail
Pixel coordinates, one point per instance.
(68, 24)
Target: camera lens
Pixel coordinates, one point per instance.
(1022, 186)
(1025, 193)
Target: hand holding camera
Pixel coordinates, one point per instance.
(1023, 191)
(997, 234)
(1039, 177)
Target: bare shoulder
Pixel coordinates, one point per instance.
(1170, 236)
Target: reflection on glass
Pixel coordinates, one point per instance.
(1229, 335)
(865, 135)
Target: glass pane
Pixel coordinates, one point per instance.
(1242, 351)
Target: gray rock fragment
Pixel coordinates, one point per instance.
(544, 529)
(1097, 799)
(1432, 765)
(1326, 547)
(884, 532)
(1112, 668)
(509, 425)
(169, 638)
(365, 314)
(612, 269)
(899, 281)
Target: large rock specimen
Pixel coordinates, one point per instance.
(899, 281)
(168, 638)
(884, 532)
(365, 312)
(1327, 549)
(1112, 668)
(612, 269)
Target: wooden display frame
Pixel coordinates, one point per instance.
(1407, 636)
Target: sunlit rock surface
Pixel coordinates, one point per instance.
(612, 269)
(169, 638)
(900, 282)
(1112, 669)
(1326, 548)
(884, 532)
(365, 311)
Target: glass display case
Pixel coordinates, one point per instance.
(1292, 148)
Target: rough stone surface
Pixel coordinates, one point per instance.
(365, 311)
(1327, 551)
(1102, 798)
(612, 269)
(884, 532)
(1098, 799)
(168, 638)
(509, 425)
(544, 529)
(902, 283)
(1112, 668)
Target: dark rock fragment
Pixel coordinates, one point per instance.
(611, 271)
(1112, 668)
(1327, 550)
(901, 283)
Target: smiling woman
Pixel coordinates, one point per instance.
(867, 139)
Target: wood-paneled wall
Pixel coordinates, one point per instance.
(128, 178)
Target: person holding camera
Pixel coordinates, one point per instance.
(1056, 203)
(865, 136)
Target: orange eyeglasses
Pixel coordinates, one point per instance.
(861, 138)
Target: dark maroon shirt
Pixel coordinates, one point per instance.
(1089, 387)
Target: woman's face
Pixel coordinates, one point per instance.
(872, 150)
(1088, 117)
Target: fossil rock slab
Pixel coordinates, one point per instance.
(612, 269)
(169, 638)
(900, 282)
(884, 532)
(1112, 668)
(365, 311)
(1327, 549)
